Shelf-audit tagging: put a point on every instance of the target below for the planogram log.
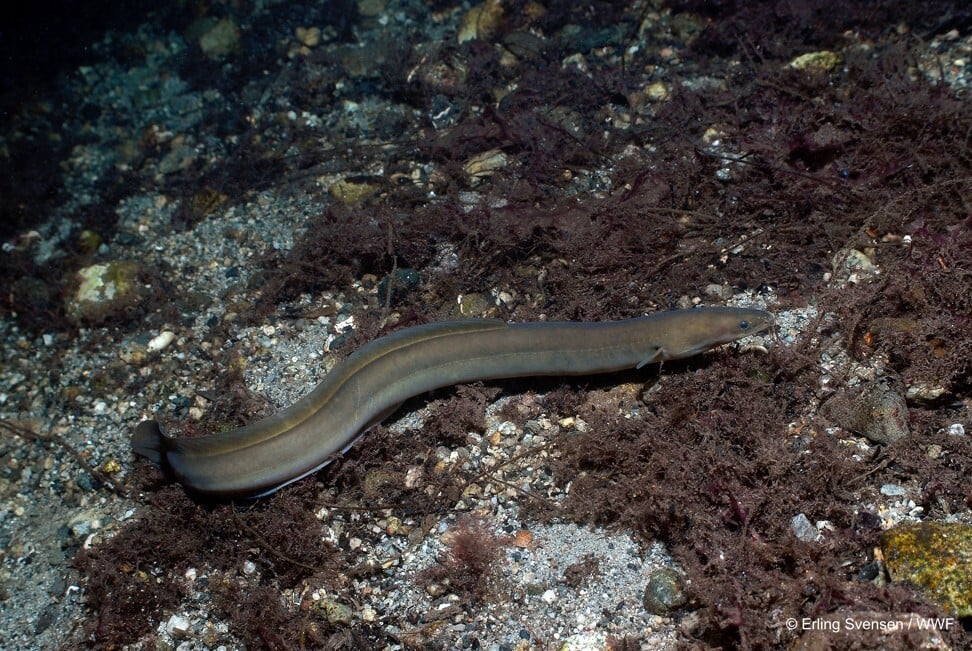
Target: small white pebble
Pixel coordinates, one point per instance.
(549, 596)
(893, 490)
(160, 341)
(956, 429)
(344, 324)
(249, 567)
(177, 626)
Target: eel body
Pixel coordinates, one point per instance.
(372, 382)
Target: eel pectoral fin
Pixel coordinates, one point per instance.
(655, 354)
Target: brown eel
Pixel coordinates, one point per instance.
(372, 382)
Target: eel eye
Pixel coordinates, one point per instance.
(744, 325)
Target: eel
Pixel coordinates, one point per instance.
(375, 380)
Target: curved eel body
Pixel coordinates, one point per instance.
(372, 382)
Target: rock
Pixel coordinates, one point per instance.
(937, 558)
(875, 410)
(371, 8)
(178, 627)
(89, 241)
(925, 392)
(803, 529)
(587, 641)
(664, 592)
(719, 291)
(108, 291)
(893, 490)
(475, 305)
(481, 22)
(484, 164)
(160, 341)
(335, 612)
(823, 60)
(308, 36)
(221, 40)
(85, 523)
(852, 266)
(657, 92)
(352, 192)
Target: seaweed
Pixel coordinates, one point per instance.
(609, 206)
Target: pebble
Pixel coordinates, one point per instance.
(586, 642)
(719, 291)
(177, 626)
(336, 612)
(484, 165)
(481, 21)
(852, 266)
(665, 591)
(160, 341)
(803, 529)
(368, 614)
(221, 39)
(84, 523)
(822, 60)
(925, 392)
(308, 36)
(893, 490)
(475, 305)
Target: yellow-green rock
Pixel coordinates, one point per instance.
(89, 241)
(105, 291)
(352, 192)
(937, 558)
(221, 40)
(824, 60)
(335, 612)
(471, 305)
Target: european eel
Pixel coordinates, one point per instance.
(375, 380)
